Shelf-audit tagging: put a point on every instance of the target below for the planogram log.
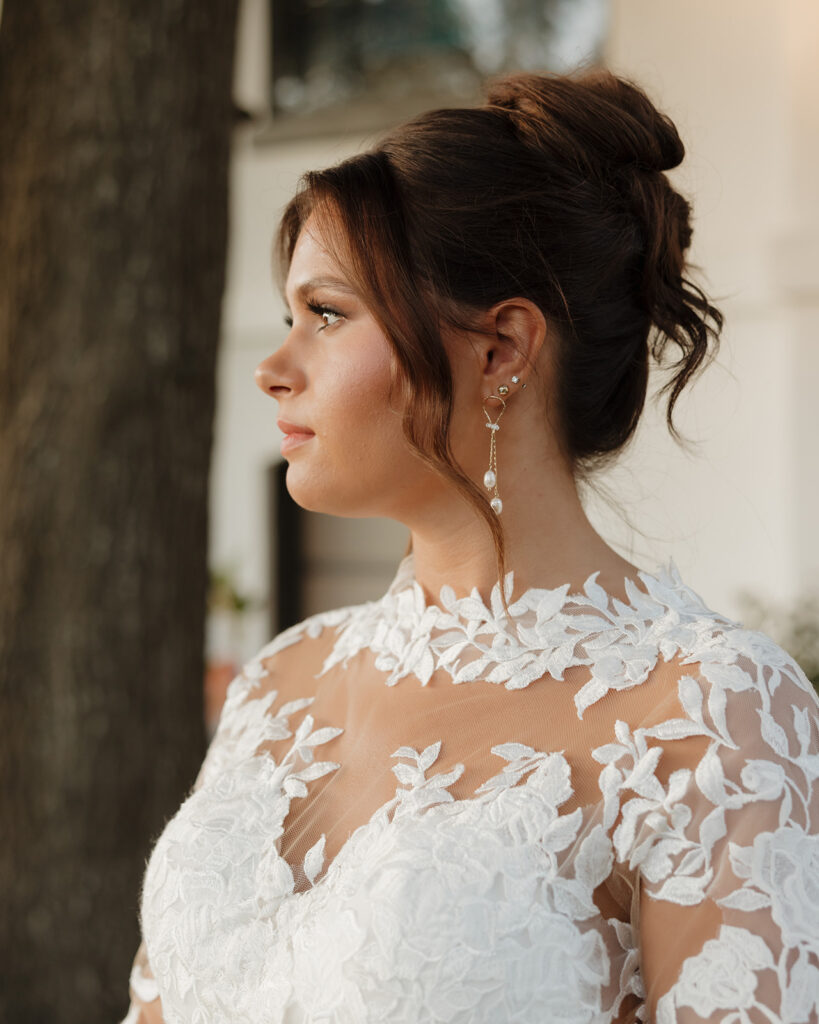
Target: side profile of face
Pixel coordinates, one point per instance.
(332, 375)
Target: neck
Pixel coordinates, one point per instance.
(549, 541)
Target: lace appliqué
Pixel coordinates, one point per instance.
(677, 835)
(481, 909)
(549, 631)
(498, 856)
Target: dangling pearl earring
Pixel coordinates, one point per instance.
(490, 477)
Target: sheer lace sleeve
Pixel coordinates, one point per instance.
(720, 823)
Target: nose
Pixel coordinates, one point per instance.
(264, 378)
(273, 378)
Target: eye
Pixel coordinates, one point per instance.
(318, 308)
(322, 311)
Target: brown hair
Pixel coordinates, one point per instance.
(551, 190)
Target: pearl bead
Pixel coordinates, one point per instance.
(489, 479)
(497, 505)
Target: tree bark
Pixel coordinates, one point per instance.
(115, 136)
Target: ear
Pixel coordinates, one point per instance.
(516, 333)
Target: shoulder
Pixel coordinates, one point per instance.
(310, 628)
(730, 658)
(301, 648)
(289, 662)
(737, 723)
(747, 658)
(729, 708)
(729, 751)
(722, 671)
(278, 680)
(689, 630)
(760, 702)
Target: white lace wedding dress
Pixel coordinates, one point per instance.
(590, 811)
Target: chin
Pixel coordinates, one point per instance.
(316, 492)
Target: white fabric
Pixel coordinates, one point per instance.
(593, 810)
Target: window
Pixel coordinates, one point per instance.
(366, 64)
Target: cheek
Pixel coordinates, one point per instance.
(360, 458)
(382, 475)
(357, 408)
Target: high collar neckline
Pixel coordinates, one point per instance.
(546, 631)
(664, 583)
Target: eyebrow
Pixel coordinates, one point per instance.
(318, 282)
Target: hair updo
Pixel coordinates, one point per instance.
(552, 190)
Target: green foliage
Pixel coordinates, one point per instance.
(796, 629)
(223, 593)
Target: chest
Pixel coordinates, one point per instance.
(474, 906)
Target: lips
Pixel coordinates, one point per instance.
(293, 428)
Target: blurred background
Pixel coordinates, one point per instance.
(148, 546)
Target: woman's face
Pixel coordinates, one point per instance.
(332, 375)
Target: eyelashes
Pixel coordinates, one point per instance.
(320, 310)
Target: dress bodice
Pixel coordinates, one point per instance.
(587, 810)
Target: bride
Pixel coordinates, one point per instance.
(531, 782)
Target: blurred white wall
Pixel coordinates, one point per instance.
(741, 81)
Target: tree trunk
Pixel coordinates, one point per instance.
(115, 135)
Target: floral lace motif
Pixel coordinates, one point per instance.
(496, 855)
(484, 908)
(549, 631)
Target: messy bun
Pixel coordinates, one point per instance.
(607, 129)
(552, 190)
(607, 120)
